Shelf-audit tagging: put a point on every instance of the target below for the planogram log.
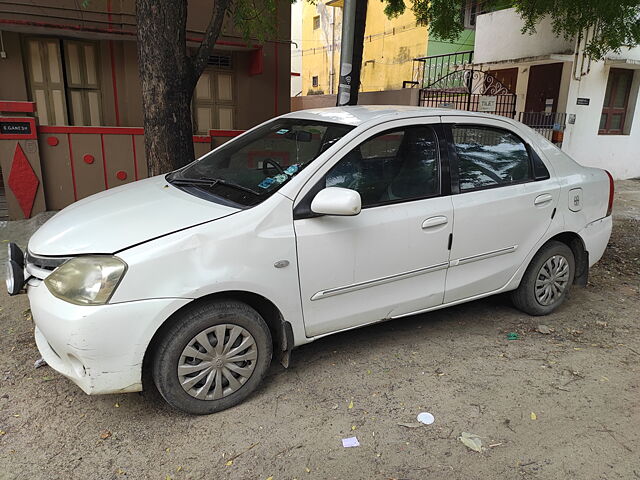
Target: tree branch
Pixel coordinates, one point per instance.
(210, 37)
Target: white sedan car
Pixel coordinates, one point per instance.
(312, 223)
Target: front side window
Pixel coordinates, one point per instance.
(249, 169)
(489, 157)
(396, 165)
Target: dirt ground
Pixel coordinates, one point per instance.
(563, 405)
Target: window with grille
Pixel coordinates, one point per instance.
(220, 61)
(316, 22)
(314, 81)
(616, 102)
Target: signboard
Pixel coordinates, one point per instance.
(583, 101)
(548, 105)
(17, 128)
(487, 103)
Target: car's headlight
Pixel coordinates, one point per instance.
(87, 280)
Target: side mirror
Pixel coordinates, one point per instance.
(337, 201)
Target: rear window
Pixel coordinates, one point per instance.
(489, 157)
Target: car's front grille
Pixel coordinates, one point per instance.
(40, 267)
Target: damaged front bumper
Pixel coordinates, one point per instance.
(100, 348)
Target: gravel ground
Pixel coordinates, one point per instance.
(561, 405)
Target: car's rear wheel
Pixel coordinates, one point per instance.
(212, 357)
(547, 280)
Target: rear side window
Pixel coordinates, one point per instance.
(540, 172)
(489, 157)
(394, 166)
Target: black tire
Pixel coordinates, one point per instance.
(525, 298)
(193, 321)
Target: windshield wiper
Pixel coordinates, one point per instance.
(210, 182)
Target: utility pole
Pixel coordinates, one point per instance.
(346, 53)
(332, 70)
(354, 22)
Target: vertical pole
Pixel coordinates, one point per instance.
(346, 52)
(332, 70)
(469, 89)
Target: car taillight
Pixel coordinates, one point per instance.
(611, 192)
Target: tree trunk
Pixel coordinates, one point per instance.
(358, 47)
(168, 79)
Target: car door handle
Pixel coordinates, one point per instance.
(435, 222)
(543, 199)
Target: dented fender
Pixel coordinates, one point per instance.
(244, 252)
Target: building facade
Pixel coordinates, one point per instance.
(594, 105)
(80, 65)
(296, 50)
(390, 45)
(77, 63)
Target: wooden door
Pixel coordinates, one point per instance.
(543, 88)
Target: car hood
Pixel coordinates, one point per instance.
(115, 219)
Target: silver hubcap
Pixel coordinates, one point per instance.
(552, 280)
(217, 362)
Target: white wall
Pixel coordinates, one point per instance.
(626, 53)
(620, 154)
(565, 83)
(499, 37)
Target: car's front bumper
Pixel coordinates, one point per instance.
(100, 348)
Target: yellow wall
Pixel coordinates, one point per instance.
(316, 47)
(389, 48)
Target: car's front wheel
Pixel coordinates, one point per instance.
(547, 280)
(212, 357)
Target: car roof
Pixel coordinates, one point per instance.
(357, 114)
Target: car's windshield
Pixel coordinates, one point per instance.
(247, 170)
